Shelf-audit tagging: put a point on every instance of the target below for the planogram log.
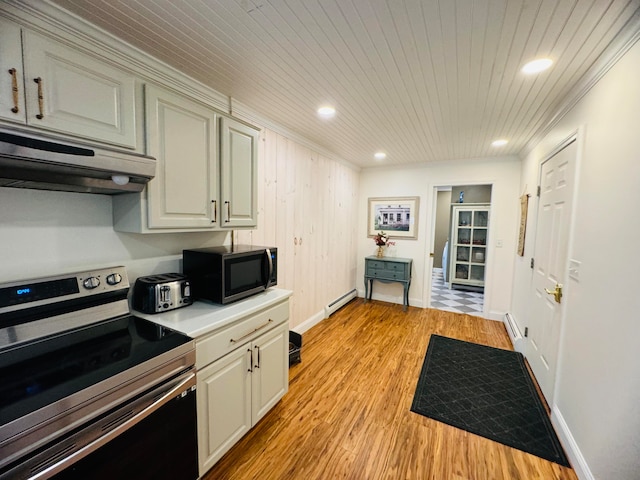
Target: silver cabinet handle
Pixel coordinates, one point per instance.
(215, 211)
(228, 204)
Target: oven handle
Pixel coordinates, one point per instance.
(185, 382)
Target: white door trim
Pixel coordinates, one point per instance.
(576, 136)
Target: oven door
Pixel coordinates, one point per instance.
(152, 437)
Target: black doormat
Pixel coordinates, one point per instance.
(486, 391)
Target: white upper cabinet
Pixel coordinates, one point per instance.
(73, 93)
(239, 158)
(181, 136)
(204, 181)
(11, 84)
(48, 85)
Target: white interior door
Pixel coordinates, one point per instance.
(550, 264)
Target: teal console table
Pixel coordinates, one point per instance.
(387, 270)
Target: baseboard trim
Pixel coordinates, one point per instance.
(576, 458)
(497, 316)
(393, 299)
(339, 303)
(312, 321)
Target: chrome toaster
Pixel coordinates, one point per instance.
(161, 293)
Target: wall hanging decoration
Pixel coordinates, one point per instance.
(398, 216)
(524, 208)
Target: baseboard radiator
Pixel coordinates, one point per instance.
(340, 302)
(512, 328)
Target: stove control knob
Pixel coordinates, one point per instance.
(114, 279)
(91, 283)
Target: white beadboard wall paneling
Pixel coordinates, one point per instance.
(306, 207)
(426, 81)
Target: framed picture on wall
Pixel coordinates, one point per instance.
(396, 216)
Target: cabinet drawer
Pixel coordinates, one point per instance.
(218, 344)
(377, 264)
(388, 270)
(396, 267)
(385, 274)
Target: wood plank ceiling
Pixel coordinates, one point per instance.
(422, 80)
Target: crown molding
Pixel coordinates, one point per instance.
(617, 48)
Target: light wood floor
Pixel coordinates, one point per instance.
(347, 411)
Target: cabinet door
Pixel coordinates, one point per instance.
(181, 136)
(238, 159)
(11, 84)
(224, 405)
(469, 240)
(68, 91)
(270, 370)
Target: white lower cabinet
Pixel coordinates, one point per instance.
(237, 388)
(224, 406)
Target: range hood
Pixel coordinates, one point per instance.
(28, 162)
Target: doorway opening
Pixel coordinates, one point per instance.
(459, 248)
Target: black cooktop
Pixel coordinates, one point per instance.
(41, 372)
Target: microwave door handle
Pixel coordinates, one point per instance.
(267, 252)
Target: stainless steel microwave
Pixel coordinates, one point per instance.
(227, 274)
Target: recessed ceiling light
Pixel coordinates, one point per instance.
(499, 143)
(537, 66)
(326, 111)
(380, 155)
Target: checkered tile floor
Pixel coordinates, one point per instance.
(458, 301)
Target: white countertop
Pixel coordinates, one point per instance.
(203, 316)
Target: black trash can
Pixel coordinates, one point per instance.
(295, 345)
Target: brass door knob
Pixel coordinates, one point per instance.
(557, 293)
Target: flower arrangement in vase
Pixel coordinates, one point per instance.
(381, 240)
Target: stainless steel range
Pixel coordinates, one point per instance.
(89, 391)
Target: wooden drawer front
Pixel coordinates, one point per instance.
(390, 270)
(385, 274)
(218, 344)
(398, 268)
(376, 264)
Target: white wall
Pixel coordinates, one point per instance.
(46, 233)
(502, 173)
(597, 396)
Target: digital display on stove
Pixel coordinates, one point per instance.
(32, 292)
